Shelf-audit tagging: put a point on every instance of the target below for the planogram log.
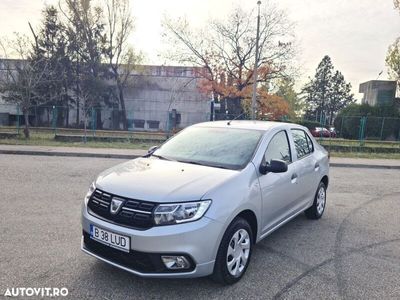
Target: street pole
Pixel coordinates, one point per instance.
(255, 77)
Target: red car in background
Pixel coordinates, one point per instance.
(322, 132)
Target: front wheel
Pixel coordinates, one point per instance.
(317, 209)
(234, 252)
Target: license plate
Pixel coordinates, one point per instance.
(109, 238)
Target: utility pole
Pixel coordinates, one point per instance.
(255, 77)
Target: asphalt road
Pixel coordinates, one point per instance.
(353, 252)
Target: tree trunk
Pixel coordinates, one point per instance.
(84, 126)
(26, 128)
(36, 117)
(84, 129)
(123, 108)
(67, 103)
(67, 117)
(99, 122)
(77, 113)
(48, 116)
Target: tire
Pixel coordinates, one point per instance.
(317, 209)
(237, 260)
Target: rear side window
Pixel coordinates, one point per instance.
(302, 143)
(310, 143)
(278, 148)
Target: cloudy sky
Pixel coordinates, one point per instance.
(355, 33)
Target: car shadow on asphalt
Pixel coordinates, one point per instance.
(263, 271)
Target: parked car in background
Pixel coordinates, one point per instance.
(322, 132)
(196, 205)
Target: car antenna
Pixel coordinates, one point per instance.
(237, 117)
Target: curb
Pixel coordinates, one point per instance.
(363, 166)
(68, 154)
(127, 156)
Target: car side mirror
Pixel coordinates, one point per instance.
(152, 149)
(275, 166)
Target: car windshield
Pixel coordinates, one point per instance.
(228, 148)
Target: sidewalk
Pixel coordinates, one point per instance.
(365, 163)
(132, 153)
(71, 151)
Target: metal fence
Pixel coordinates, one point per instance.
(100, 118)
(368, 128)
(359, 128)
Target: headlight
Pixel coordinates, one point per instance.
(176, 213)
(90, 192)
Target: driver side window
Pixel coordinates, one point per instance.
(278, 148)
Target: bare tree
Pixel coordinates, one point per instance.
(121, 57)
(21, 76)
(91, 90)
(226, 49)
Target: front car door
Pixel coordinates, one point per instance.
(278, 190)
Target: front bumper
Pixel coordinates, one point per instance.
(197, 240)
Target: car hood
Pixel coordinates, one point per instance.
(162, 181)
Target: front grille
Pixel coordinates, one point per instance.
(134, 260)
(134, 213)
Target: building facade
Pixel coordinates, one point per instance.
(156, 98)
(378, 92)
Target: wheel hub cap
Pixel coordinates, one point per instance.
(321, 199)
(238, 252)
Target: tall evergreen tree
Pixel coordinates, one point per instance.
(340, 96)
(321, 89)
(50, 48)
(87, 46)
(326, 93)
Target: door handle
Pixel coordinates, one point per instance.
(316, 167)
(294, 178)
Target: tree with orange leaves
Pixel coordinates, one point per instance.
(270, 106)
(226, 51)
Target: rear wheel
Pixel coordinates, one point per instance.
(234, 253)
(317, 209)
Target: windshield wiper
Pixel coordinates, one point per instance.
(203, 164)
(161, 157)
(192, 162)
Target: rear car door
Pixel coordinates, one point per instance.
(306, 165)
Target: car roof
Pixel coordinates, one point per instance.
(248, 124)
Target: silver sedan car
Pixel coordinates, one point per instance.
(197, 205)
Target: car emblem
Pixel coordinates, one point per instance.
(116, 205)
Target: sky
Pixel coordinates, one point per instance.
(354, 33)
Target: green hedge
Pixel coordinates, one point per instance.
(309, 124)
